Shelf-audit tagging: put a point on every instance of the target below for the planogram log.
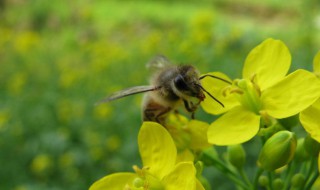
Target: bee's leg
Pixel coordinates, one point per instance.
(160, 117)
(187, 106)
(176, 113)
(155, 113)
(149, 109)
(149, 114)
(190, 108)
(192, 115)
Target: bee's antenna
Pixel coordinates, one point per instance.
(207, 75)
(210, 95)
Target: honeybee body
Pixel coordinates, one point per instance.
(170, 86)
(177, 85)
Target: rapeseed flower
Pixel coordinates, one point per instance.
(310, 117)
(160, 170)
(265, 93)
(189, 135)
(41, 164)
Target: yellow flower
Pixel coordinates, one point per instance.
(265, 92)
(310, 117)
(316, 64)
(160, 170)
(41, 164)
(188, 135)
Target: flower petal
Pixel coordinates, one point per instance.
(268, 63)
(198, 133)
(199, 186)
(185, 156)
(311, 121)
(293, 94)
(115, 181)
(316, 64)
(235, 127)
(157, 149)
(183, 176)
(217, 88)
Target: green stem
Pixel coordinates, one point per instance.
(245, 177)
(310, 179)
(219, 165)
(304, 167)
(238, 182)
(290, 172)
(308, 169)
(256, 178)
(215, 161)
(271, 177)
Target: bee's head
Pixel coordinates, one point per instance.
(187, 83)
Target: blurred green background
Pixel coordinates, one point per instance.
(57, 58)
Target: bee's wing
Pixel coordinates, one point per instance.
(158, 62)
(127, 92)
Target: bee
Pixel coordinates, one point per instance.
(169, 87)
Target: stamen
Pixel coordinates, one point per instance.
(236, 90)
(138, 170)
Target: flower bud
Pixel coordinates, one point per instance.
(209, 156)
(181, 139)
(312, 146)
(278, 184)
(264, 181)
(236, 155)
(203, 180)
(199, 168)
(278, 150)
(138, 182)
(298, 180)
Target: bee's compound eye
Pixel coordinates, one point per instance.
(180, 83)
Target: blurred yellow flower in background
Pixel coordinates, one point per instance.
(41, 164)
(189, 135)
(26, 41)
(4, 118)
